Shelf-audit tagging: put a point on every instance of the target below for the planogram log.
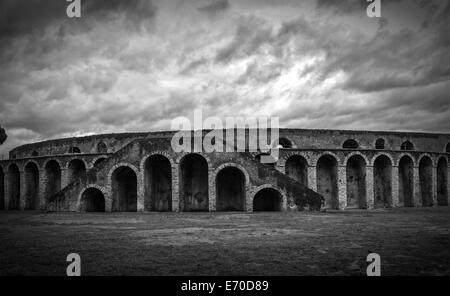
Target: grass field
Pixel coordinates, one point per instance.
(410, 241)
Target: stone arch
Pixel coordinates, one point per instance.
(327, 175)
(268, 198)
(76, 169)
(31, 171)
(382, 180)
(401, 155)
(286, 142)
(407, 145)
(52, 171)
(296, 167)
(92, 198)
(74, 150)
(426, 180)
(372, 160)
(96, 161)
(184, 154)
(350, 144)
(101, 147)
(194, 189)
(356, 181)
(122, 179)
(315, 159)
(426, 155)
(380, 143)
(406, 180)
(2, 188)
(157, 174)
(351, 154)
(232, 181)
(442, 181)
(14, 187)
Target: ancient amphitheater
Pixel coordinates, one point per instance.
(317, 169)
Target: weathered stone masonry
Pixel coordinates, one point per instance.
(316, 169)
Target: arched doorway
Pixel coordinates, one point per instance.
(442, 179)
(2, 189)
(31, 186)
(296, 167)
(158, 184)
(356, 182)
(76, 170)
(124, 190)
(405, 180)
(267, 199)
(382, 181)
(92, 200)
(194, 183)
(426, 180)
(14, 187)
(52, 177)
(327, 180)
(230, 189)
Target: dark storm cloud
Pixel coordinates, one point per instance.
(215, 6)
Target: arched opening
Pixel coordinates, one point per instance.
(2, 189)
(379, 143)
(350, 144)
(158, 184)
(296, 167)
(285, 143)
(92, 200)
(447, 148)
(426, 180)
(382, 181)
(74, 150)
(124, 190)
(35, 153)
(327, 180)
(14, 187)
(407, 145)
(102, 148)
(442, 179)
(98, 162)
(356, 182)
(52, 177)
(267, 199)
(76, 170)
(230, 189)
(31, 186)
(194, 183)
(405, 180)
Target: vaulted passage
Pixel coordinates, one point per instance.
(382, 185)
(327, 181)
(92, 200)
(124, 190)
(53, 178)
(158, 184)
(426, 180)
(267, 199)
(356, 182)
(193, 183)
(2, 189)
(405, 182)
(230, 188)
(442, 179)
(14, 187)
(296, 167)
(31, 186)
(76, 170)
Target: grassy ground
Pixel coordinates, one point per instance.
(411, 241)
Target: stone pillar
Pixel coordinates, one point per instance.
(7, 190)
(41, 189)
(175, 189)
(342, 187)
(434, 186)
(64, 178)
(417, 199)
(23, 190)
(395, 189)
(312, 177)
(211, 191)
(448, 186)
(140, 192)
(369, 187)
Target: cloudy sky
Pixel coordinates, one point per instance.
(135, 65)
